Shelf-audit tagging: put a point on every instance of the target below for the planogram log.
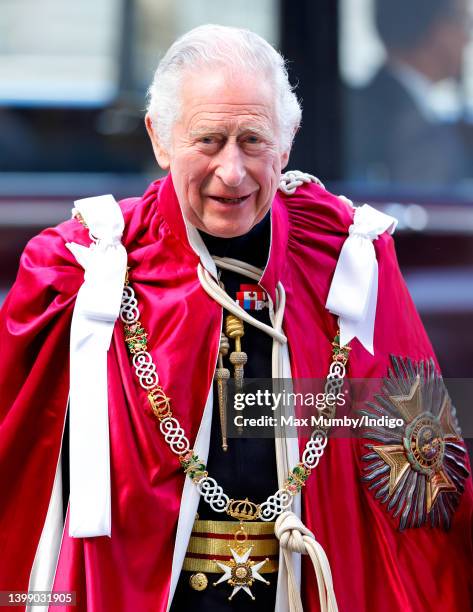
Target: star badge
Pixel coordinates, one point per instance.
(423, 445)
(240, 572)
(417, 469)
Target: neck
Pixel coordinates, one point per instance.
(252, 247)
(421, 60)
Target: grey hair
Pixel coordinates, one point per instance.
(208, 46)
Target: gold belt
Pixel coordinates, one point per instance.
(211, 541)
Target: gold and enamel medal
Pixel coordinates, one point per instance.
(240, 571)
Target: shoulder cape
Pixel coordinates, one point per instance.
(375, 565)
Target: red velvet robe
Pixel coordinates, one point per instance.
(374, 565)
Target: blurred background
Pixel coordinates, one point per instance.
(387, 94)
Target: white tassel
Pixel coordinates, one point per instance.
(294, 536)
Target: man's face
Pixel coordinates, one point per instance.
(225, 155)
(451, 35)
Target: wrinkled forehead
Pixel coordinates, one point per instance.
(227, 100)
(230, 120)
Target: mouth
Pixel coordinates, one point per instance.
(231, 201)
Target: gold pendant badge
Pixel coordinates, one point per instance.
(240, 571)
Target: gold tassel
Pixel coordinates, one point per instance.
(221, 376)
(234, 329)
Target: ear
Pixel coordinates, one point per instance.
(285, 158)
(285, 154)
(162, 156)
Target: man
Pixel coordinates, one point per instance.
(221, 119)
(396, 132)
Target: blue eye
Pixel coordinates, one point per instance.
(253, 140)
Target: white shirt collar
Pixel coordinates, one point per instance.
(425, 94)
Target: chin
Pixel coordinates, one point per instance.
(227, 230)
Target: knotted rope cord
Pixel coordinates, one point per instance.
(227, 263)
(292, 534)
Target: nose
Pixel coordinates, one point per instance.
(230, 165)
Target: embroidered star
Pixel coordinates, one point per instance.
(400, 461)
(240, 572)
(418, 468)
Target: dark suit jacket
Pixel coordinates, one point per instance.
(389, 140)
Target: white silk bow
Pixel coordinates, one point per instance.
(96, 310)
(354, 290)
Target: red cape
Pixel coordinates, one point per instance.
(375, 566)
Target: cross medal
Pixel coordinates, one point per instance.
(240, 571)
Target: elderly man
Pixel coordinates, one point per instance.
(224, 269)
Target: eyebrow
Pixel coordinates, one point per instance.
(207, 130)
(204, 131)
